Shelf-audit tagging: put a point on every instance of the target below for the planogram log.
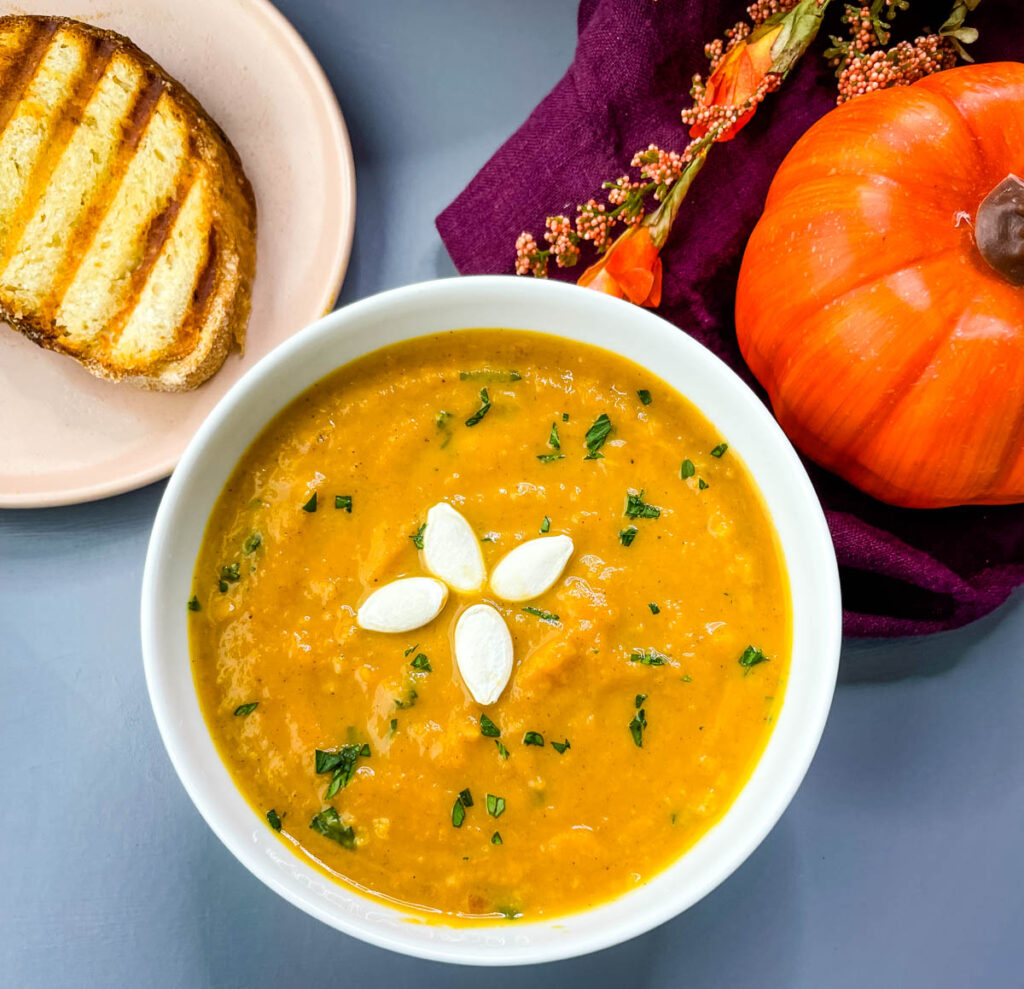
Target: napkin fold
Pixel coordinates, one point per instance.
(904, 572)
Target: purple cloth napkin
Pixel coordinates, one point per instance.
(904, 572)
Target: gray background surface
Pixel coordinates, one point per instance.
(899, 862)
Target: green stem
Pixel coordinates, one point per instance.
(800, 28)
(640, 194)
(660, 221)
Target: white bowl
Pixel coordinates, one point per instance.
(577, 314)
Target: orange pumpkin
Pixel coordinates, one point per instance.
(880, 300)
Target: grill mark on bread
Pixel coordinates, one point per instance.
(81, 239)
(24, 68)
(208, 276)
(202, 298)
(155, 239)
(135, 123)
(67, 123)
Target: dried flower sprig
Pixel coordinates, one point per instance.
(745, 66)
(750, 61)
(863, 63)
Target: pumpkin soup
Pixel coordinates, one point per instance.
(490, 624)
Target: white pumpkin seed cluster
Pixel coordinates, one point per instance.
(451, 552)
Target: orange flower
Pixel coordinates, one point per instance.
(736, 79)
(631, 269)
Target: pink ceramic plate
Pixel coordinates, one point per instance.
(66, 436)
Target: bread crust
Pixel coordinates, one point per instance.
(217, 313)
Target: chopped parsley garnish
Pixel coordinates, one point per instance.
(645, 396)
(545, 526)
(701, 483)
(638, 701)
(410, 698)
(719, 450)
(310, 505)
(462, 801)
(550, 458)
(750, 658)
(343, 502)
(487, 374)
(488, 727)
(274, 819)
(654, 608)
(544, 616)
(193, 605)
(652, 658)
(686, 678)
(252, 543)
(330, 826)
(417, 536)
(502, 751)
(626, 536)
(533, 738)
(636, 508)
(410, 650)
(637, 727)
(229, 574)
(596, 436)
(441, 419)
(342, 763)
(421, 663)
(496, 838)
(560, 747)
(495, 805)
(565, 417)
(482, 411)
(553, 437)
(687, 469)
(243, 709)
(394, 725)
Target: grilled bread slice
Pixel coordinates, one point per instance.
(127, 226)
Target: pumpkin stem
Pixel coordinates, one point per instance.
(999, 229)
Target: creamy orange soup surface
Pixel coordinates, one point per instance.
(644, 684)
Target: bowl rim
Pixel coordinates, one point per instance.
(661, 898)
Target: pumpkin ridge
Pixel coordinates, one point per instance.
(763, 361)
(944, 97)
(770, 235)
(930, 255)
(893, 398)
(928, 84)
(853, 458)
(898, 395)
(801, 317)
(906, 394)
(1012, 452)
(840, 163)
